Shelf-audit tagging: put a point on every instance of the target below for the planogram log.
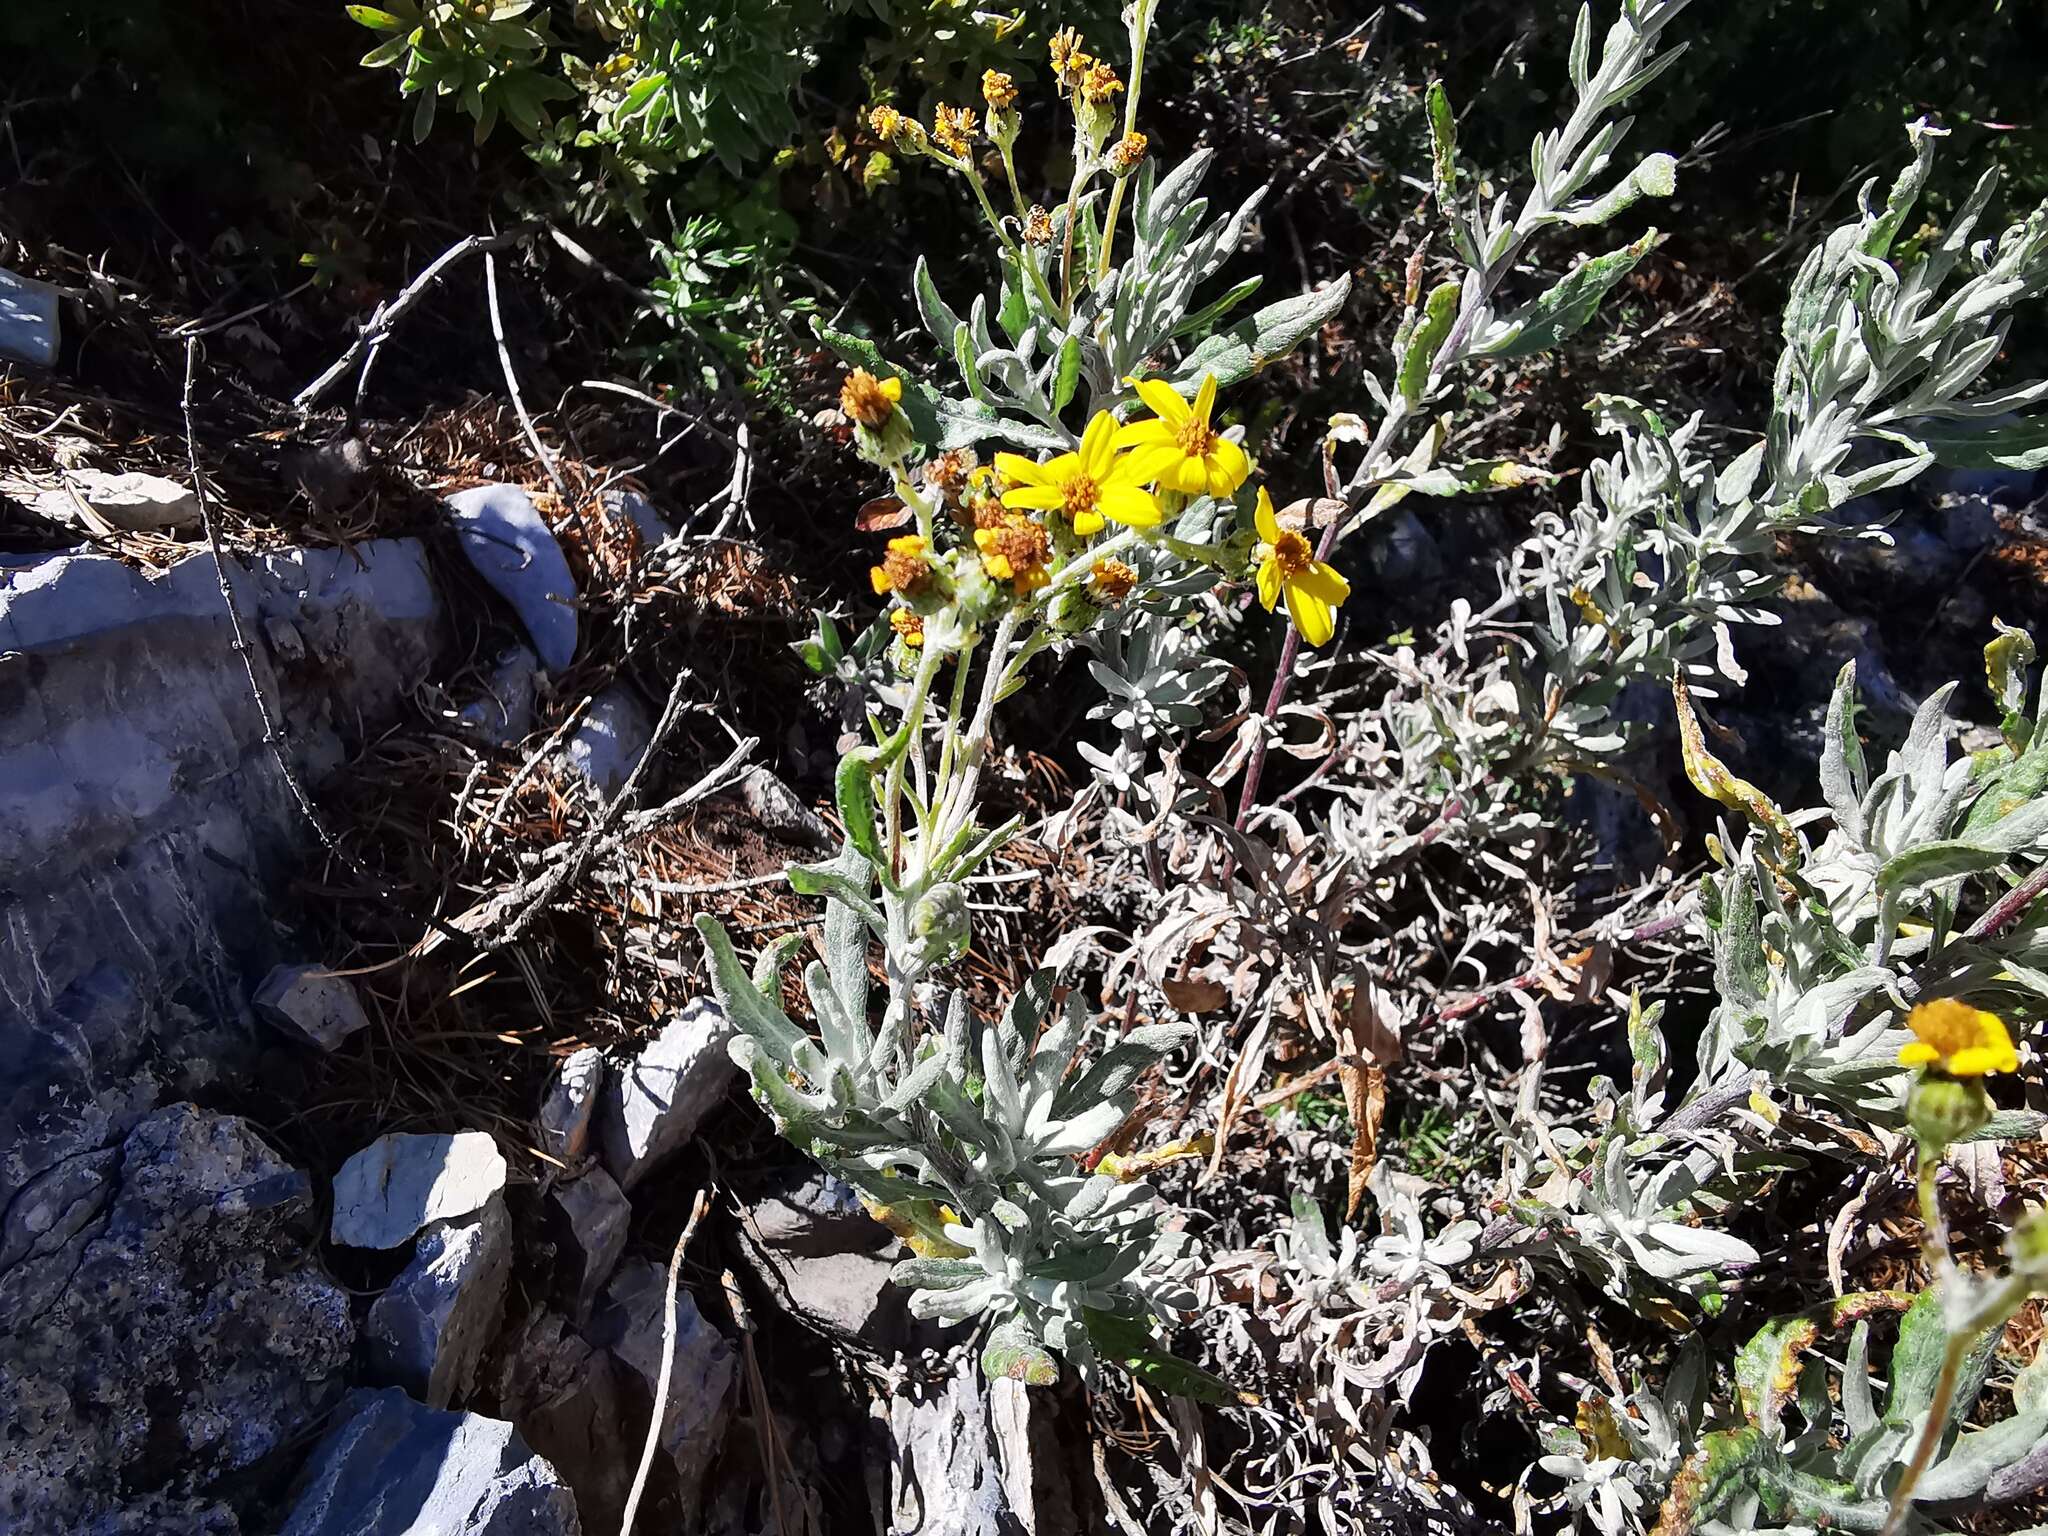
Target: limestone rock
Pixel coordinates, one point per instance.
(848, 1294)
(304, 1000)
(608, 744)
(168, 1330)
(563, 1393)
(566, 1113)
(428, 1331)
(654, 1103)
(593, 1219)
(403, 1180)
(513, 549)
(809, 1211)
(622, 504)
(970, 1458)
(780, 809)
(28, 320)
(396, 1468)
(136, 502)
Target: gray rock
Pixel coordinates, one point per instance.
(625, 505)
(305, 1001)
(608, 744)
(654, 1103)
(514, 550)
(334, 473)
(168, 1329)
(594, 1218)
(809, 1211)
(845, 1294)
(29, 325)
(403, 1180)
(629, 1324)
(780, 809)
(504, 715)
(566, 1113)
(564, 1393)
(969, 1458)
(1969, 524)
(395, 1468)
(429, 1330)
(135, 502)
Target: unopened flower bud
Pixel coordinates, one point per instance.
(1945, 1110)
(1127, 154)
(940, 924)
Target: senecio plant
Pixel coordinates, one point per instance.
(1112, 492)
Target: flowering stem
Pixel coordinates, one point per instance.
(1141, 28)
(973, 174)
(1082, 169)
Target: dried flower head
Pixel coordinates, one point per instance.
(953, 129)
(1127, 154)
(868, 400)
(887, 123)
(906, 566)
(981, 503)
(1099, 84)
(947, 474)
(998, 90)
(1068, 61)
(1015, 549)
(1111, 581)
(1037, 226)
(908, 626)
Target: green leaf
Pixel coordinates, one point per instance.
(1931, 862)
(376, 20)
(853, 791)
(1443, 148)
(1439, 311)
(1262, 338)
(938, 316)
(751, 1013)
(2021, 444)
(390, 51)
(1129, 1343)
(826, 881)
(1067, 374)
(1012, 1353)
(1565, 309)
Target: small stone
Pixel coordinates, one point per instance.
(504, 715)
(402, 1181)
(513, 549)
(563, 1393)
(610, 742)
(809, 1211)
(135, 502)
(286, 643)
(1969, 524)
(428, 1331)
(780, 809)
(630, 1325)
(623, 504)
(28, 320)
(571, 1104)
(306, 1001)
(396, 1468)
(334, 473)
(653, 1104)
(594, 1217)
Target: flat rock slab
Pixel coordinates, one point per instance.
(28, 320)
(594, 1218)
(135, 502)
(400, 1182)
(654, 1103)
(809, 1211)
(428, 1331)
(396, 1468)
(630, 1324)
(513, 549)
(305, 1001)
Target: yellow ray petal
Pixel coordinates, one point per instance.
(1141, 433)
(1205, 399)
(1142, 466)
(1269, 583)
(1229, 467)
(1163, 398)
(1018, 470)
(1086, 523)
(1128, 505)
(1098, 446)
(1918, 1053)
(1312, 616)
(1268, 524)
(1037, 498)
(1190, 477)
(1325, 582)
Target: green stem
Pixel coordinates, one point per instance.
(892, 789)
(1141, 29)
(1083, 169)
(1015, 251)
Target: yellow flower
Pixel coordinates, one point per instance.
(1111, 581)
(1127, 154)
(905, 566)
(1959, 1040)
(1288, 565)
(1015, 550)
(1066, 55)
(953, 129)
(908, 626)
(1088, 486)
(998, 89)
(869, 400)
(1178, 448)
(1099, 83)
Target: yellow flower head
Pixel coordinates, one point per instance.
(947, 473)
(998, 90)
(1288, 565)
(1110, 581)
(1068, 61)
(887, 123)
(1099, 84)
(1088, 486)
(1015, 550)
(1037, 226)
(1178, 449)
(1127, 154)
(906, 566)
(953, 129)
(868, 400)
(908, 626)
(1961, 1041)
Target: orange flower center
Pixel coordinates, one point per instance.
(1079, 495)
(1292, 554)
(1194, 438)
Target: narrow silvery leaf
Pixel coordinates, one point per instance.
(1844, 778)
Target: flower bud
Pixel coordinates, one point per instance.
(940, 924)
(1127, 154)
(1944, 1110)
